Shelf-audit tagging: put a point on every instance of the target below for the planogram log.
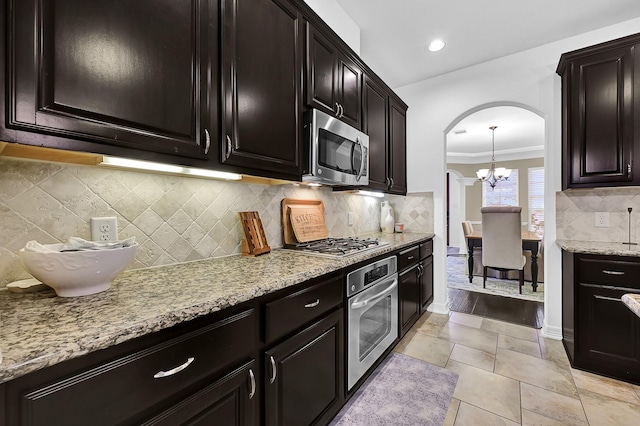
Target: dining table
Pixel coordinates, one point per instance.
(530, 241)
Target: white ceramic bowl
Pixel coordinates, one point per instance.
(77, 273)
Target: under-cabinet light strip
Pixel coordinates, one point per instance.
(128, 163)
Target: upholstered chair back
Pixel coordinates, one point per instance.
(502, 237)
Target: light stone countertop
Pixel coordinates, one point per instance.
(633, 302)
(41, 329)
(598, 247)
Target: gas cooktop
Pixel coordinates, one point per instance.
(337, 247)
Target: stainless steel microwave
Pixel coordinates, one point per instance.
(335, 153)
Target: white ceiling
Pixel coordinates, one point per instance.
(394, 33)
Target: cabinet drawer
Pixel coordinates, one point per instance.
(297, 309)
(611, 271)
(426, 249)
(122, 389)
(408, 257)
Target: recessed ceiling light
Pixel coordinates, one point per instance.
(435, 45)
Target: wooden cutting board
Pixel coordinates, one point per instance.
(255, 242)
(308, 223)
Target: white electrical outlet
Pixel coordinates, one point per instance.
(602, 220)
(350, 218)
(104, 229)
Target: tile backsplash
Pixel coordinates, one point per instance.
(174, 219)
(576, 209)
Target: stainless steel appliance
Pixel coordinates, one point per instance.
(335, 153)
(372, 315)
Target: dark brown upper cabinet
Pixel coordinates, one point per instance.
(600, 112)
(375, 123)
(116, 73)
(398, 147)
(261, 85)
(334, 81)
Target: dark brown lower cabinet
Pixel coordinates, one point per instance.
(304, 375)
(230, 401)
(600, 333)
(426, 283)
(409, 297)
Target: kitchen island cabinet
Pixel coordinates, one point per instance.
(601, 114)
(600, 333)
(114, 77)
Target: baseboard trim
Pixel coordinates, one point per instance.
(438, 308)
(551, 332)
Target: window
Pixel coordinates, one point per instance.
(536, 200)
(504, 194)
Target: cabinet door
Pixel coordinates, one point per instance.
(229, 401)
(608, 335)
(116, 72)
(409, 298)
(426, 283)
(304, 375)
(375, 114)
(322, 72)
(350, 90)
(262, 87)
(398, 148)
(600, 128)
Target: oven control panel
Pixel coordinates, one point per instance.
(363, 277)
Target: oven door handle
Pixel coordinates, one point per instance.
(376, 297)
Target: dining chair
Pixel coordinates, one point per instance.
(467, 228)
(502, 241)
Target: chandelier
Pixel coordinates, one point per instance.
(493, 174)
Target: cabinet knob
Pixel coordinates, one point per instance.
(161, 374)
(252, 380)
(207, 141)
(229, 146)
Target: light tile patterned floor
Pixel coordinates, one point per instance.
(510, 375)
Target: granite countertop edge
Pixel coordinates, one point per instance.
(599, 247)
(633, 302)
(41, 329)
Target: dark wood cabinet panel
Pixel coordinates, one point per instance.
(409, 298)
(600, 96)
(398, 148)
(334, 82)
(600, 333)
(304, 375)
(261, 85)
(229, 401)
(130, 74)
(426, 283)
(375, 123)
(124, 388)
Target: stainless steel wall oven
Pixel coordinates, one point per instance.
(372, 315)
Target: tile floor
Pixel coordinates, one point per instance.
(510, 375)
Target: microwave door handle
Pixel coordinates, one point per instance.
(376, 297)
(358, 142)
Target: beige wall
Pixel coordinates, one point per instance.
(473, 197)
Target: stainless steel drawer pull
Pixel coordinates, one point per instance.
(274, 370)
(410, 258)
(229, 147)
(161, 374)
(252, 378)
(207, 140)
(612, 272)
(312, 304)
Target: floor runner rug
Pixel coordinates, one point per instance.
(401, 391)
(457, 278)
